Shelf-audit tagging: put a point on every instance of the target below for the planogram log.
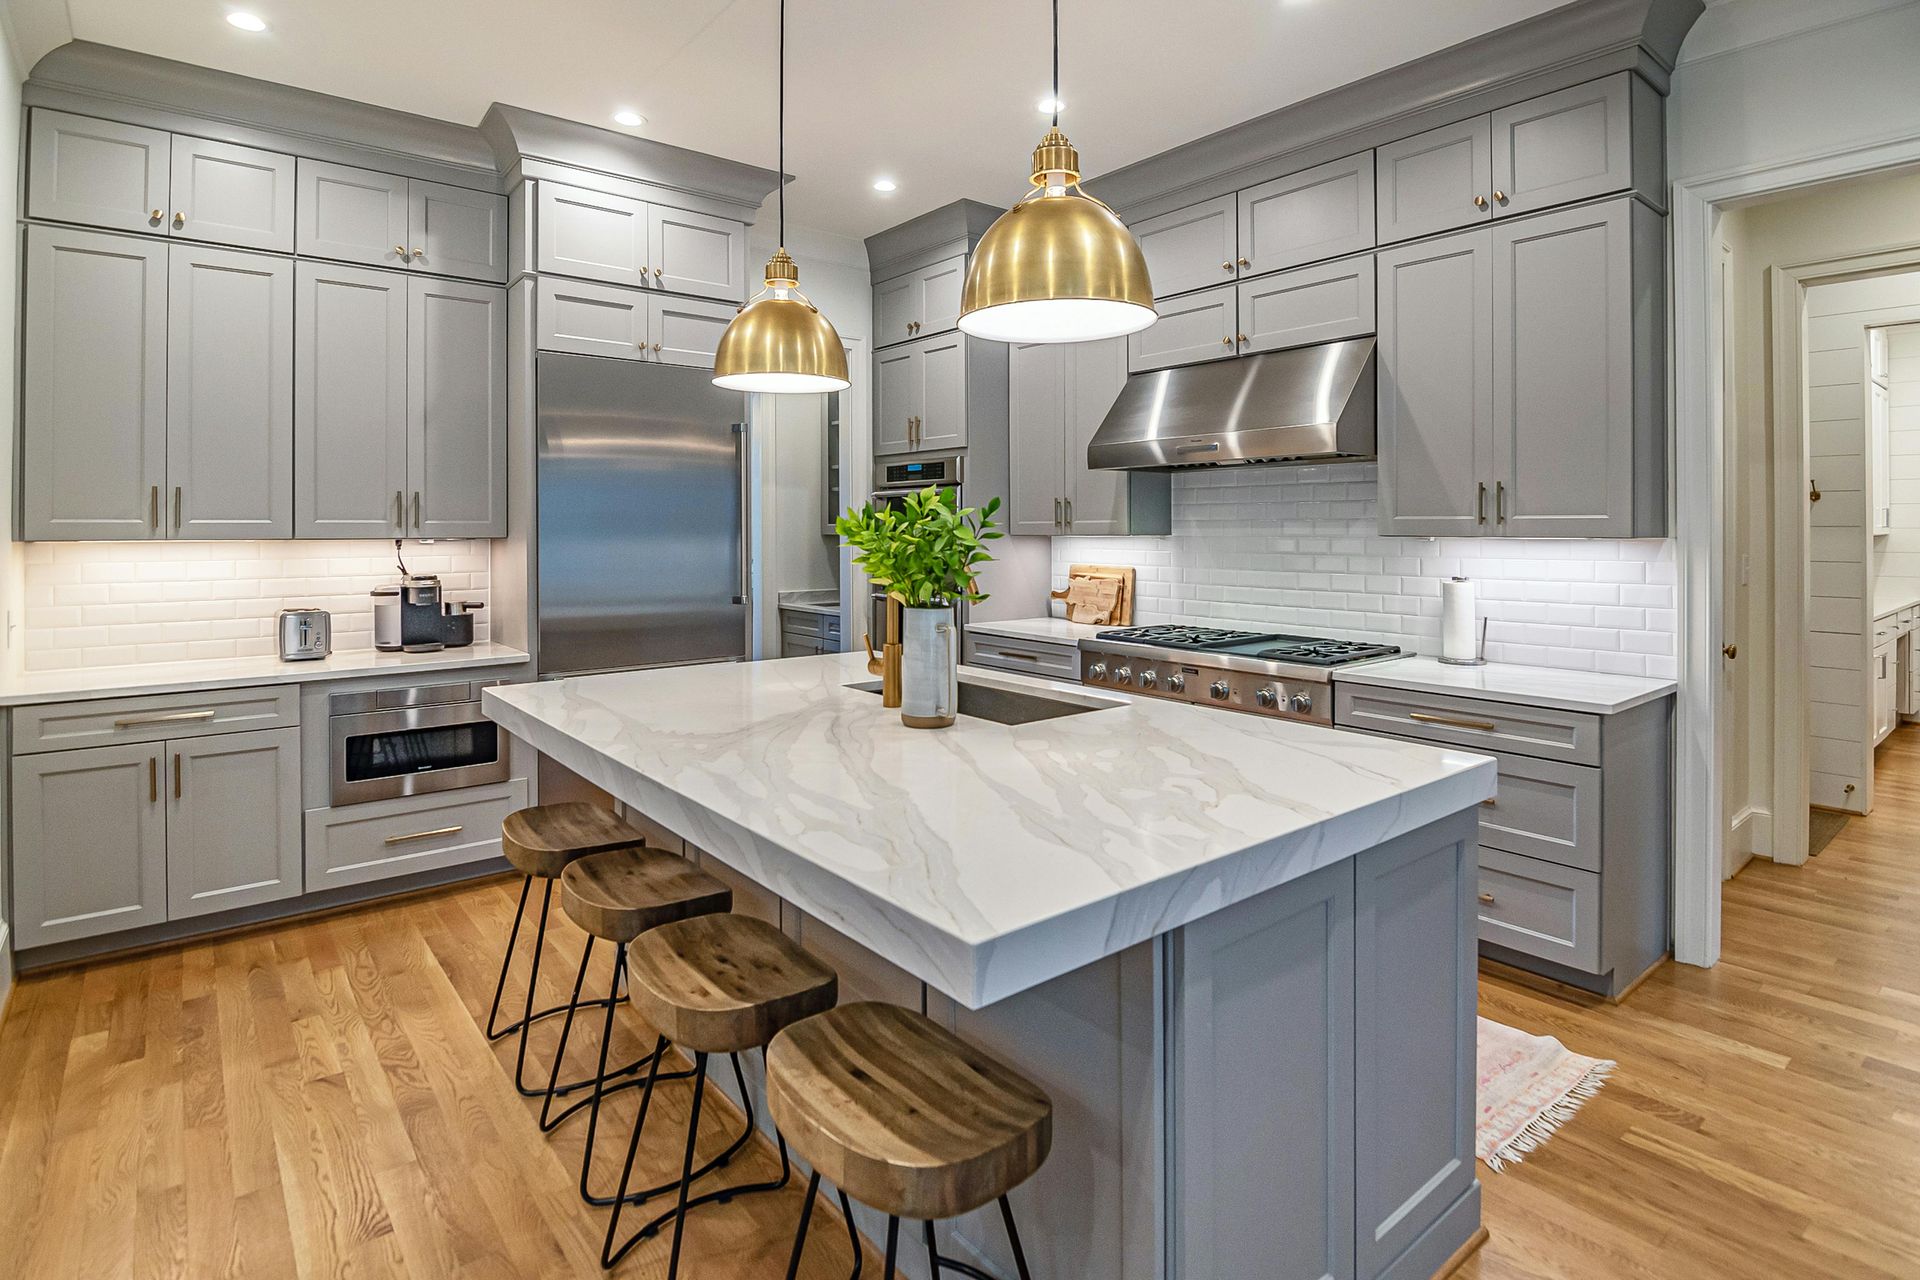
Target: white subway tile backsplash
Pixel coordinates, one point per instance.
(98, 604)
(1298, 547)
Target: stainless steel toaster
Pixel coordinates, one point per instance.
(305, 634)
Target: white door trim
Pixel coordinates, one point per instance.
(1698, 494)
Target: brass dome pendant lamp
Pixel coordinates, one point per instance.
(1059, 266)
(779, 342)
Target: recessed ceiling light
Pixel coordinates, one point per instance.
(246, 21)
(1050, 105)
(631, 119)
(883, 184)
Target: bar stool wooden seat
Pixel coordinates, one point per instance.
(904, 1116)
(713, 984)
(540, 842)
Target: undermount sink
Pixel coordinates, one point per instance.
(1006, 706)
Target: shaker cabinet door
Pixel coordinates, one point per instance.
(697, 253)
(1037, 435)
(686, 330)
(1436, 387)
(94, 386)
(231, 195)
(353, 215)
(349, 402)
(1190, 248)
(1100, 499)
(898, 398)
(1319, 303)
(233, 821)
(229, 394)
(456, 409)
(590, 319)
(1435, 181)
(943, 416)
(1319, 213)
(1191, 329)
(99, 172)
(456, 232)
(897, 304)
(941, 286)
(89, 843)
(1563, 147)
(592, 236)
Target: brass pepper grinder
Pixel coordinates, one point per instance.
(887, 665)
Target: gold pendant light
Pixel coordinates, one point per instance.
(779, 342)
(1059, 266)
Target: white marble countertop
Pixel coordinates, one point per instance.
(984, 858)
(1895, 595)
(1052, 630)
(233, 673)
(822, 600)
(1589, 691)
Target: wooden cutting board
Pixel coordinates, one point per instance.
(1101, 594)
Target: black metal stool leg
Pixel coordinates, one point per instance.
(933, 1255)
(686, 1166)
(560, 1050)
(717, 1162)
(506, 962)
(893, 1246)
(806, 1215)
(853, 1238)
(1013, 1235)
(599, 1080)
(533, 985)
(608, 1254)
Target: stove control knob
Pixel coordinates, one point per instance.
(1176, 683)
(1267, 697)
(1098, 671)
(1218, 690)
(1149, 678)
(1302, 703)
(1124, 675)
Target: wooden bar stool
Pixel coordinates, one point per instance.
(540, 842)
(905, 1116)
(713, 984)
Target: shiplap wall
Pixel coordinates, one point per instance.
(101, 604)
(1896, 557)
(1839, 547)
(1298, 548)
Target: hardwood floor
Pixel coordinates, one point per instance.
(318, 1100)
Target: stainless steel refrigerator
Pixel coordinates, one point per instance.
(642, 516)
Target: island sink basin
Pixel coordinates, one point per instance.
(1006, 706)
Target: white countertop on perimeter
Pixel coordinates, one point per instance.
(1052, 630)
(984, 858)
(1894, 594)
(234, 673)
(1589, 691)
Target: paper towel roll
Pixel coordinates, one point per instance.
(1459, 626)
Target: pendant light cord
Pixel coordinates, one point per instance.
(1056, 62)
(782, 117)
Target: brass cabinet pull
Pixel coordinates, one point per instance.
(416, 510)
(1487, 898)
(153, 779)
(400, 509)
(1480, 505)
(1479, 202)
(131, 722)
(153, 507)
(1069, 513)
(179, 221)
(176, 775)
(1485, 726)
(1489, 803)
(176, 506)
(424, 835)
(1056, 511)
(1500, 501)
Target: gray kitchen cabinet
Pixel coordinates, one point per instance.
(1579, 440)
(229, 394)
(1435, 181)
(1540, 908)
(232, 195)
(1036, 432)
(89, 843)
(897, 399)
(590, 319)
(1318, 213)
(380, 839)
(697, 253)
(592, 235)
(1296, 308)
(1436, 387)
(686, 330)
(920, 303)
(1191, 328)
(1589, 140)
(456, 409)
(94, 386)
(233, 821)
(452, 231)
(920, 395)
(354, 215)
(98, 172)
(1191, 248)
(1273, 1199)
(1058, 395)
(349, 402)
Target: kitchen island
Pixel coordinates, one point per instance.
(1238, 953)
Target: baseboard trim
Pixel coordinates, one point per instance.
(1753, 831)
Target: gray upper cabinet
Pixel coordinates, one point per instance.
(899, 394)
(685, 330)
(350, 402)
(1195, 327)
(1190, 248)
(1435, 181)
(89, 842)
(1036, 426)
(590, 319)
(943, 404)
(1308, 304)
(1319, 213)
(1058, 394)
(230, 394)
(452, 231)
(456, 409)
(354, 215)
(623, 241)
(98, 172)
(1589, 140)
(232, 195)
(920, 303)
(1436, 387)
(94, 454)
(233, 821)
(697, 253)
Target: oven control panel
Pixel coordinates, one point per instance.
(1209, 686)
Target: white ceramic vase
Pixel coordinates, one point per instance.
(929, 683)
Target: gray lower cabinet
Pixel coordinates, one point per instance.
(233, 821)
(94, 386)
(1190, 248)
(360, 843)
(1058, 394)
(1318, 213)
(456, 409)
(98, 172)
(1191, 328)
(229, 394)
(232, 195)
(1320, 303)
(350, 402)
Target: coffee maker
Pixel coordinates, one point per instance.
(406, 615)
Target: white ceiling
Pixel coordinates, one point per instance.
(938, 95)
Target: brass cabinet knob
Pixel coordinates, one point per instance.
(1730, 651)
(401, 250)
(1479, 202)
(656, 347)
(1226, 266)
(656, 273)
(1501, 196)
(1226, 342)
(419, 253)
(179, 220)
(1243, 337)
(1245, 263)
(156, 215)
(1487, 899)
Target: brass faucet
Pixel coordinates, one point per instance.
(887, 664)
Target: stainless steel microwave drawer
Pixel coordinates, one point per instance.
(63, 726)
(1540, 908)
(1028, 657)
(1541, 732)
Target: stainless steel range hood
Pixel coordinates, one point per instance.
(1310, 404)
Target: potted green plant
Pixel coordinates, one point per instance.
(926, 551)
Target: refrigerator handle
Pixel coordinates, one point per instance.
(740, 461)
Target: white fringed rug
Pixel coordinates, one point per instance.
(1529, 1087)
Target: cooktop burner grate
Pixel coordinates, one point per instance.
(1181, 637)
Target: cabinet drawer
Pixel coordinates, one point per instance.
(1028, 657)
(1540, 908)
(60, 726)
(1546, 734)
(1545, 809)
(356, 843)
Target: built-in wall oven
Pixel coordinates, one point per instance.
(895, 479)
(406, 741)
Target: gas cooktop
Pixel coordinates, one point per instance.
(1266, 673)
(1310, 650)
